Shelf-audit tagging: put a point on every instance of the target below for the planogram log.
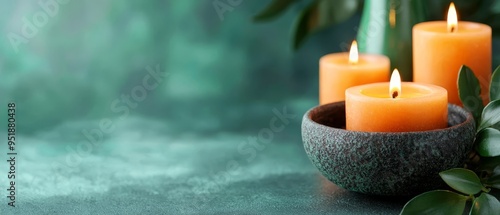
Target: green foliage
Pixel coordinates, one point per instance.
(469, 91)
(321, 14)
(495, 85)
(463, 180)
(273, 10)
(447, 202)
(302, 25)
(487, 144)
(485, 204)
(436, 202)
(490, 116)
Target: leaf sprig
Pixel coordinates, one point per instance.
(469, 185)
(447, 202)
(487, 143)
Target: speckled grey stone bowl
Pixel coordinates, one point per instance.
(378, 163)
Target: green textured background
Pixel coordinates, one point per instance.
(170, 154)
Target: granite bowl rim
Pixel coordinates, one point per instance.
(452, 107)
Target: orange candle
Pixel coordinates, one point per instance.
(339, 71)
(440, 48)
(396, 107)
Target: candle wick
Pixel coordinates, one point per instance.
(452, 28)
(394, 94)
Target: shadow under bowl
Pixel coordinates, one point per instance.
(385, 163)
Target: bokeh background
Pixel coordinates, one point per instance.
(221, 70)
(226, 75)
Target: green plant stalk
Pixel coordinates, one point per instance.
(386, 28)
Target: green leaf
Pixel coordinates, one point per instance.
(488, 142)
(321, 14)
(495, 85)
(305, 24)
(462, 180)
(275, 8)
(485, 204)
(436, 202)
(469, 91)
(491, 115)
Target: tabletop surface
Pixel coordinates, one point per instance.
(147, 166)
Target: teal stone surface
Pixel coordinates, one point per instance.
(377, 163)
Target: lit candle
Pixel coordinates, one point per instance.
(339, 71)
(396, 107)
(440, 48)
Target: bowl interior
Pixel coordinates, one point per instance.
(333, 115)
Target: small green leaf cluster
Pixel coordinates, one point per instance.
(470, 186)
(447, 202)
(487, 143)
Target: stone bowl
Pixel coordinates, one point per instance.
(385, 163)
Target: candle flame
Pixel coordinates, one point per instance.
(395, 84)
(452, 19)
(353, 53)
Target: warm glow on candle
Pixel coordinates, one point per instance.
(422, 107)
(395, 84)
(353, 53)
(452, 19)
